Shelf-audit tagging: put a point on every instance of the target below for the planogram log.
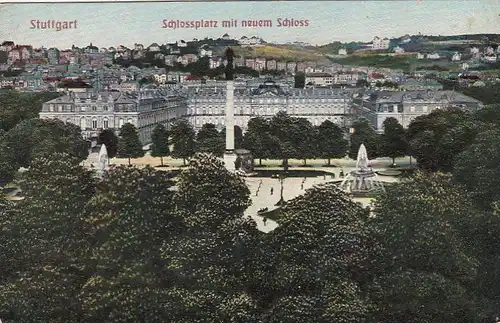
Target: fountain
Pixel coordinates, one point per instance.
(103, 160)
(363, 180)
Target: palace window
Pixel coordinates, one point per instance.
(68, 120)
(121, 122)
(94, 108)
(129, 120)
(51, 108)
(83, 123)
(105, 123)
(94, 123)
(105, 108)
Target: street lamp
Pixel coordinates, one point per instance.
(281, 178)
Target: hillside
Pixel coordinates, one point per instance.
(280, 52)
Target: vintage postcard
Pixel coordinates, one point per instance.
(250, 161)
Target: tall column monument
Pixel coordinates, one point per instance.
(229, 155)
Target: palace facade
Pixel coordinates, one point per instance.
(206, 104)
(405, 106)
(94, 111)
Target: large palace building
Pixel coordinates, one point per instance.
(200, 103)
(206, 104)
(405, 106)
(95, 111)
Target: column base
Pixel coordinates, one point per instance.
(229, 160)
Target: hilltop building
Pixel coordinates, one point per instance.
(380, 43)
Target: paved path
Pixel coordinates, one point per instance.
(292, 185)
(263, 199)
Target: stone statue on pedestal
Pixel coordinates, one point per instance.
(229, 67)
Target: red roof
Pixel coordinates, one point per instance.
(377, 76)
(193, 77)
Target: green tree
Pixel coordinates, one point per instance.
(331, 141)
(258, 140)
(160, 142)
(214, 251)
(132, 214)
(35, 138)
(209, 140)
(48, 243)
(362, 83)
(183, 140)
(423, 228)
(324, 244)
(145, 81)
(363, 134)
(477, 167)
(129, 145)
(108, 137)
(393, 140)
(435, 139)
(304, 140)
(300, 80)
(19, 106)
(282, 128)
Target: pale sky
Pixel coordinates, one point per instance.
(112, 24)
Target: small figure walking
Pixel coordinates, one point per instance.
(272, 191)
(302, 186)
(264, 220)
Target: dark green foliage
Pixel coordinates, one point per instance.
(18, 106)
(314, 255)
(426, 265)
(330, 141)
(435, 139)
(129, 145)
(393, 140)
(160, 142)
(209, 140)
(300, 80)
(109, 138)
(478, 168)
(36, 138)
(183, 139)
(48, 243)
(364, 134)
(258, 139)
(131, 214)
(304, 140)
(282, 128)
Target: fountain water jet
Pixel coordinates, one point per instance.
(363, 180)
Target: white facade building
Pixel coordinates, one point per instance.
(405, 106)
(96, 111)
(380, 43)
(206, 104)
